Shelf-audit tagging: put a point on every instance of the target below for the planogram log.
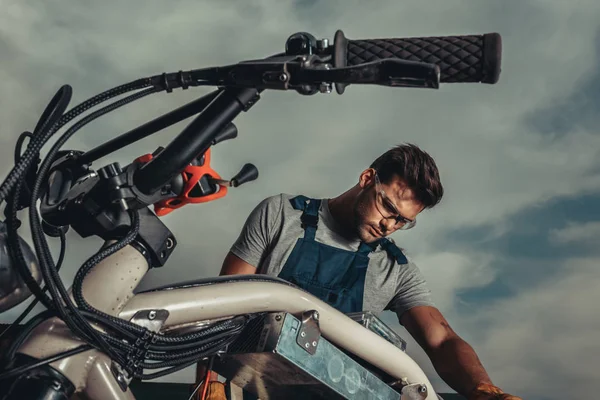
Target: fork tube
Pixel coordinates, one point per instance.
(110, 284)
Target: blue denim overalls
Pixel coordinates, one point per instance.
(334, 275)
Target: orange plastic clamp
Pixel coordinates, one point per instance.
(191, 176)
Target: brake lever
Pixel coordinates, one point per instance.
(385, 72)
(308, 74)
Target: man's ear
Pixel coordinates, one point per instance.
(366, 178)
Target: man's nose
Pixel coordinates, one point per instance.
(388, 224)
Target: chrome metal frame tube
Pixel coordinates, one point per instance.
(110, 286)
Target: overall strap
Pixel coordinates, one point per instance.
(367, 247)
(310, 214)
(393, 250)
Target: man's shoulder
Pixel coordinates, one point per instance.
(279, 200)
(277, 205)
(275, 200)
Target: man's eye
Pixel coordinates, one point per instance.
(390, 208)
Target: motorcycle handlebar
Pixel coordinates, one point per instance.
(468, 58)
(195, 139)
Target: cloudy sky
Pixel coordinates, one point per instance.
(510, 253)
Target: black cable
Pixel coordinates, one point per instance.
(20, 318)
(55, 109)
(45, 250)
(179, 363)
(98, 257)
(183, 363)
(168, 371)
(174, 355)
(82, 327)
(162, 344)
(44, 361)
(108, 324)
(41, 134)
(47, 127)
(50, 116)
(19, 145)
(192, 338)
(27, 329)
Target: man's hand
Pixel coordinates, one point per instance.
(487, 391)
(453, 358)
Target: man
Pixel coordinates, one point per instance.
(337, 250)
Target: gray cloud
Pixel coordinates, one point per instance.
(576, 112)
(495, 162)
(587, 233)
(541, 342)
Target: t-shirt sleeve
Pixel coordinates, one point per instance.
(412, 291)
(257, 233)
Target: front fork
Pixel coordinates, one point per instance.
(108, 287)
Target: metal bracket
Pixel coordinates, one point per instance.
(120, 375)
(414, 391)
(309, 333)
(152, 320)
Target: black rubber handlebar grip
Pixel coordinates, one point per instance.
(473, 58)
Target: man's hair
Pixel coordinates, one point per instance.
(416, 168)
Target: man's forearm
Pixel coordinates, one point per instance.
(458, 365)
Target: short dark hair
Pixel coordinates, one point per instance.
(416, 168)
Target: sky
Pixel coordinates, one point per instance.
(510, 253)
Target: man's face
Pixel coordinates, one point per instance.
(383, 208)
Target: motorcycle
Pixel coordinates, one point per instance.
(263, 334)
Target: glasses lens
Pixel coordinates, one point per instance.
(384, 209)
(407, 225)
(389, 211)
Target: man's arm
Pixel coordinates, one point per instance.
(453, 358)
(253, 242)
(233, 265)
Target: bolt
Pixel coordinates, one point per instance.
(303, 334)
(283, 77)
(422, 389)
(152, 314)
(323, 44)
(307, 345)
(314, 343)
(278, 318)
(315, 315)
(325, 88)
(169, 243)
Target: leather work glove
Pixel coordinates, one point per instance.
(486, 391)
(216, 391)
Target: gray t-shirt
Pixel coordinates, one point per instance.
(273, 227)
